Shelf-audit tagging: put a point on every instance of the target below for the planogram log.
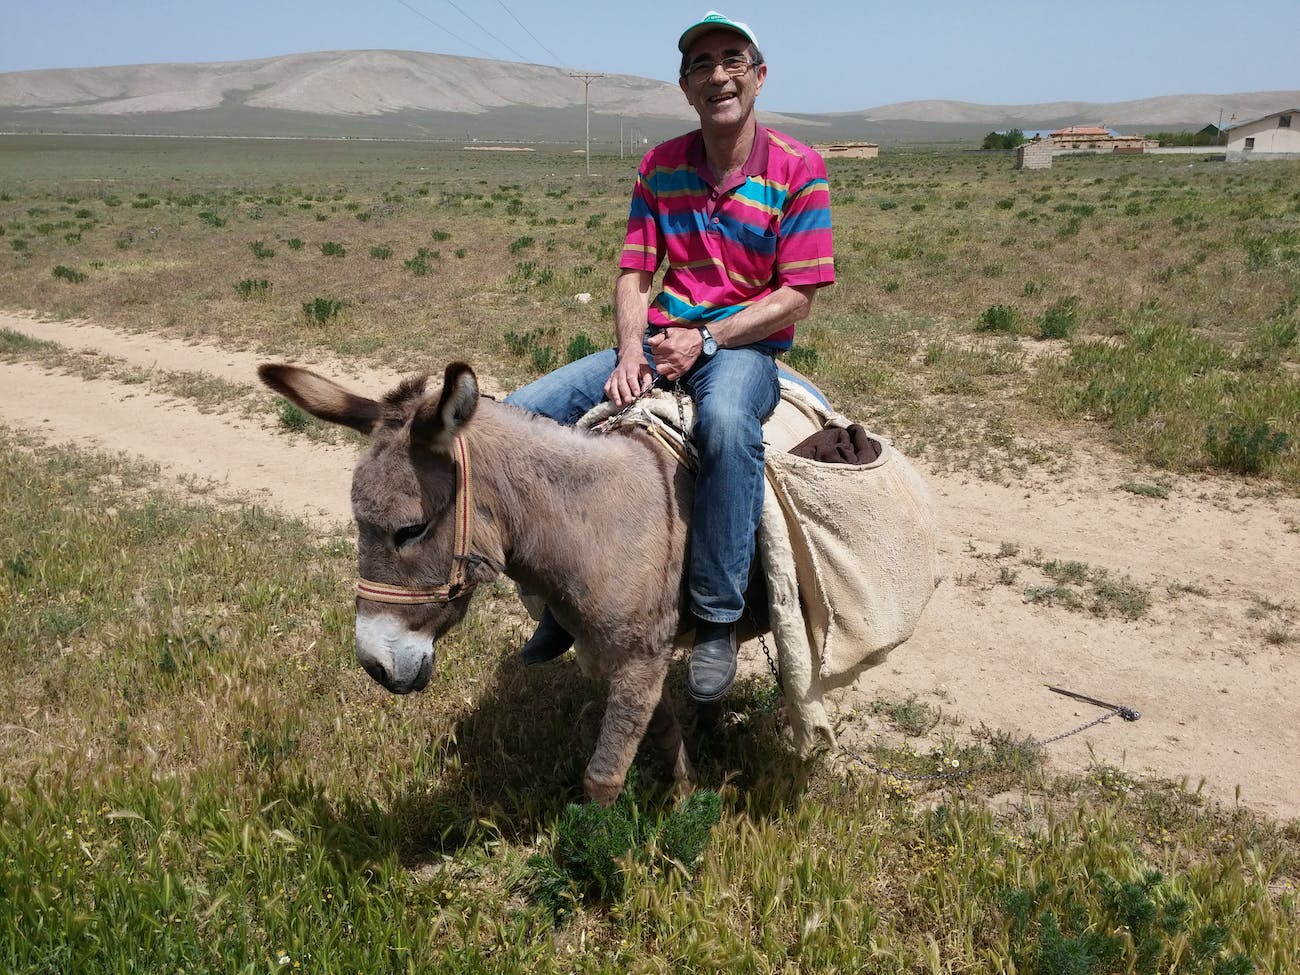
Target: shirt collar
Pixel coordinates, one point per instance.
(755, 165)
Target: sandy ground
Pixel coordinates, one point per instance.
(1215, 685)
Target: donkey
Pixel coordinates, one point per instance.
(456, 489)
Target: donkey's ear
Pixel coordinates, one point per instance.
(438, 423)
(321, 397)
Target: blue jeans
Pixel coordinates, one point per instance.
(734, 392)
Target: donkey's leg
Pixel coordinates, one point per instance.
(666, 734)
(635, 691)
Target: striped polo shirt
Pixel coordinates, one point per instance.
(729, 246)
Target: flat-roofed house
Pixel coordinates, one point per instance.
(848, 150)
(1275, 136)
(1094, 137)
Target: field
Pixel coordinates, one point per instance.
(1096, 367)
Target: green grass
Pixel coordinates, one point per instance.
(197, 777)
(1123, 262)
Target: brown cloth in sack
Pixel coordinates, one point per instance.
(839, 445)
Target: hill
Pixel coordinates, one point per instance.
(408, 94)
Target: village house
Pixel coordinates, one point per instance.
(1094, 137)
(1275, 136)
(848, 150)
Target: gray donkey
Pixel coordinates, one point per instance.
(457, 488)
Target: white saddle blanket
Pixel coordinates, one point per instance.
(850, 552)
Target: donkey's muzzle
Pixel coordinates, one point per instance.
(398, 685)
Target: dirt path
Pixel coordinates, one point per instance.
(1212, 666)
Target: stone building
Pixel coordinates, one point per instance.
(1034, 155)
(848, 150)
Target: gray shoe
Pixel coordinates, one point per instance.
(712, 666)
(548, 641)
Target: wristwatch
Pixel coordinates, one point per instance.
(710, 343)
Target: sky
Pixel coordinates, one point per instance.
(838, 56)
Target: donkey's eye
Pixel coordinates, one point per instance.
(409, 534)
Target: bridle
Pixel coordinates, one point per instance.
(458, 583)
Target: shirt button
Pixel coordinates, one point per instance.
(715, 219)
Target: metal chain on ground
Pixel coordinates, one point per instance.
(1127, 713)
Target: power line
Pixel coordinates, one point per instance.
(486, 31)
(420, 13)
(555, 57)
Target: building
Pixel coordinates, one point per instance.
(1034, 155)
(1275, 136)
(1096, 138)
(848, 150)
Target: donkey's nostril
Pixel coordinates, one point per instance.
(377, 671)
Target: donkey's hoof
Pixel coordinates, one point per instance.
(601, 791)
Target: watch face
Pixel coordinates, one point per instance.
(710, 343)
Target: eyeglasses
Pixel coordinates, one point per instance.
(702, 71)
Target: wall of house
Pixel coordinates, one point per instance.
(1271, 140)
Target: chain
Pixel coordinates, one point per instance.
(613, 420)
(1128, 714)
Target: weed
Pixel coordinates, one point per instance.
(544, 358)
(261, 251)
(253, 288)
(294, 243)
(520, 243)
(332, 248)
(523, 343)
(1058, 322)
(419, 264)
(71, 275)
(212, 219)
(293, 418)
(997, 318)
(594, 844)
(912, 717)
(381, 252)
(804, 358)
(321, 311)
(1244, 450)
(1145, 490)
(580, 346)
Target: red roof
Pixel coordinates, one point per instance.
(1083, 131)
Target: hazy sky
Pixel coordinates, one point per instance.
(842, 55)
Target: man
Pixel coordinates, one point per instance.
(742, 216)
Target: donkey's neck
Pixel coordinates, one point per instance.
(559, 495)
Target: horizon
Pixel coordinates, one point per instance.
(1012, 54)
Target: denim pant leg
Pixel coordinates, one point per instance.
(734, 393)
(566, 394)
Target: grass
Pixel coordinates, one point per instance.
(1171, 292)
(196, 776)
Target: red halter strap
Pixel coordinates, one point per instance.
(456, 585)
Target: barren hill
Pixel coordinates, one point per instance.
(405, 94)
(1166, 112)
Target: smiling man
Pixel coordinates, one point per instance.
(741, 215)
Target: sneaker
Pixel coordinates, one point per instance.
(548, 641)
(712, 666)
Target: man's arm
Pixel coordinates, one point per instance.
(676, 349)
(632, 376)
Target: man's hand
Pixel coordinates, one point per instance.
(630, 378)
(675, 350)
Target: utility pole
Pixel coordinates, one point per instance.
(586, 80)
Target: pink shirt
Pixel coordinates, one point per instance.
(729, 246)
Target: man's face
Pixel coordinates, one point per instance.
(722, 101)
